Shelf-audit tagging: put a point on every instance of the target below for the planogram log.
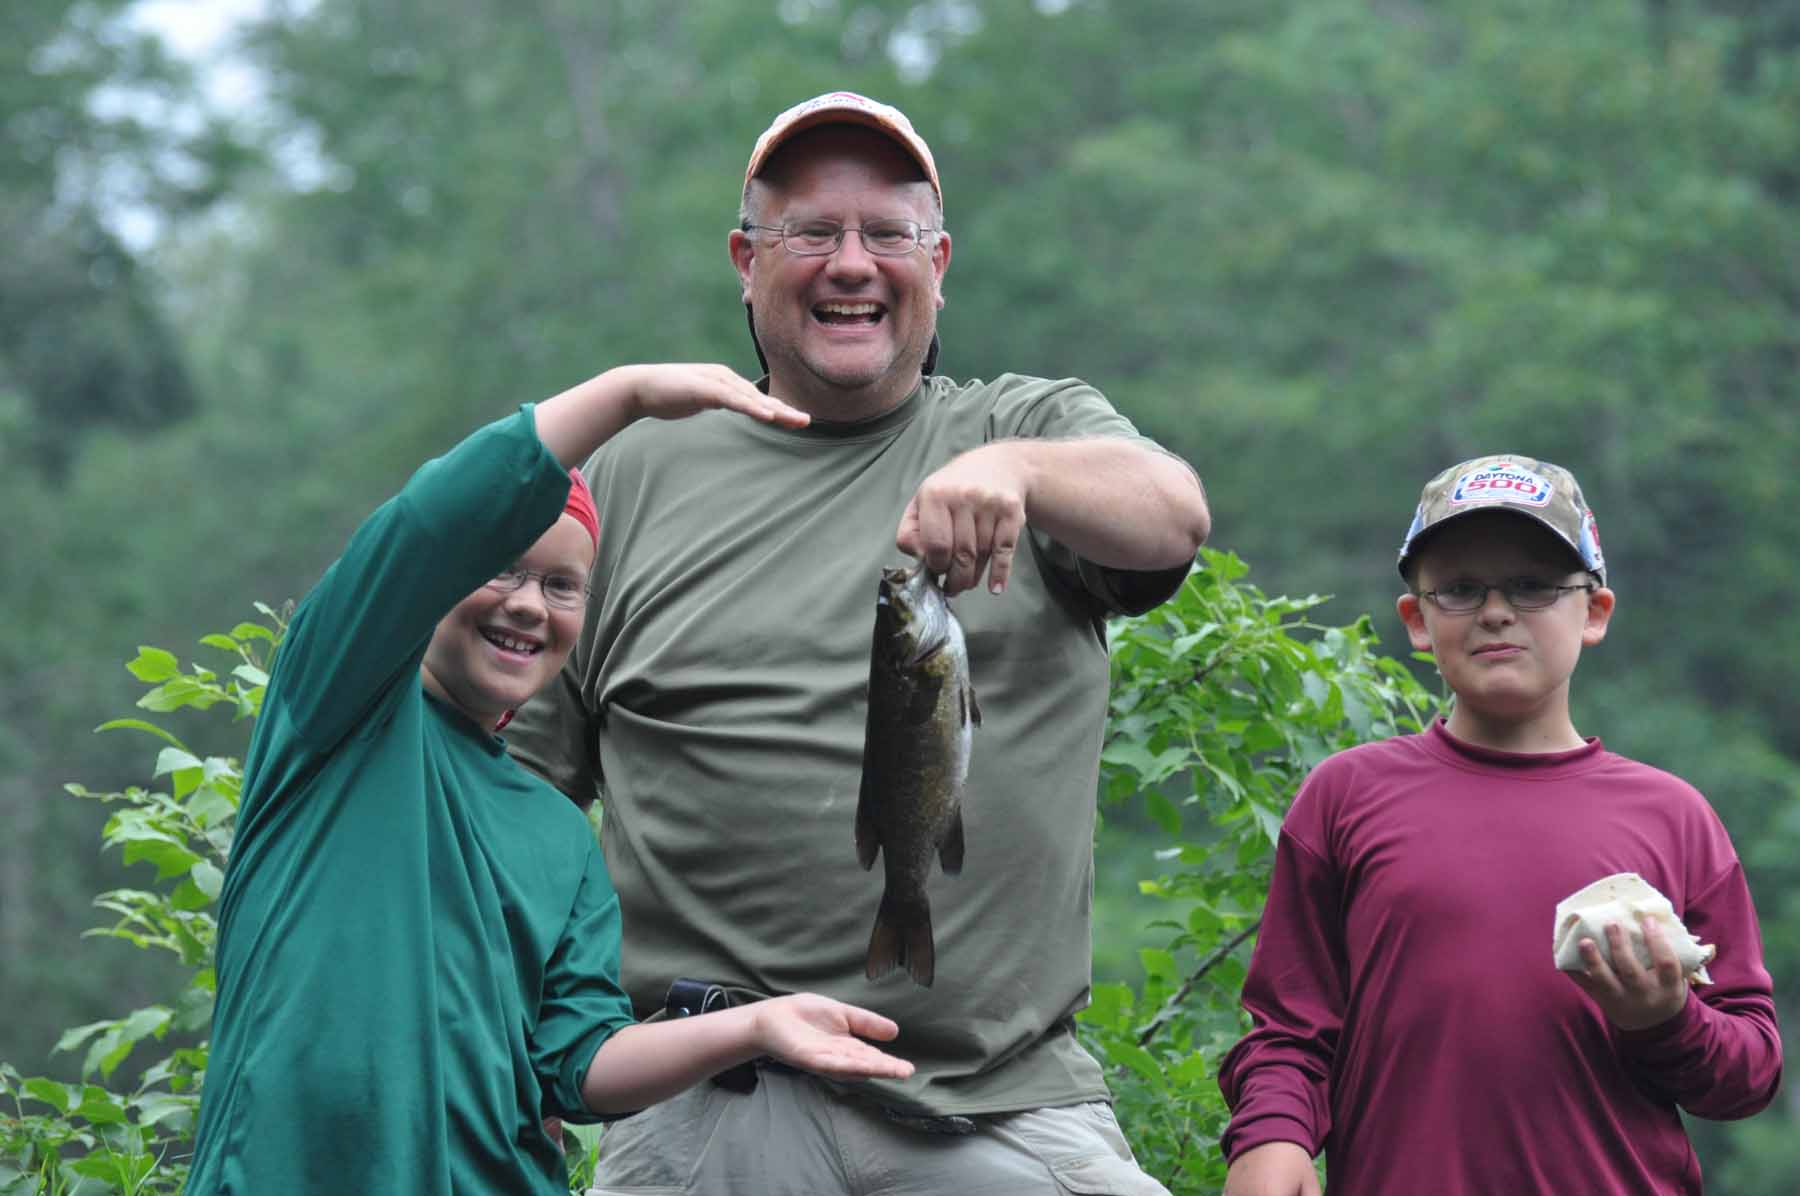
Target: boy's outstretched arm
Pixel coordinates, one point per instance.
(646, 1063)
(579, 420)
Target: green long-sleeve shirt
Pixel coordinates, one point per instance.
(419, 944)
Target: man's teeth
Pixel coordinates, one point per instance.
(850, 310)
(509, 642)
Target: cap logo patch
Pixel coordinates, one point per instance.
(1503, 481)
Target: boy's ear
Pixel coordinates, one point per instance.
(1599, 615)
(1412, 613)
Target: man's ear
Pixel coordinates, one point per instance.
(1599, 616)
(1412, 613)
(940, 262)
(743, 254)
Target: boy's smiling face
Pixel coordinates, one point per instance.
(495, 649)
(1509, 668)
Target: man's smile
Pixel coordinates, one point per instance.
(849, 313)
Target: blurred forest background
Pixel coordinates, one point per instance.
(1322, 248)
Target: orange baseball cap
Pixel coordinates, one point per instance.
(845, 108)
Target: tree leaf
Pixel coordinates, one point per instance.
(154, 664)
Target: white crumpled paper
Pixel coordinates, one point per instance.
(1620, 898)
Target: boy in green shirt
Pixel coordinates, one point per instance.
(418, 943)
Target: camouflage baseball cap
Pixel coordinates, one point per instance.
(1508, 482)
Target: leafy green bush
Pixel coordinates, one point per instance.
(1222, 700)
(84, 1139)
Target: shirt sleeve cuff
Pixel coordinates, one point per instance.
(1275, 1127)
(1666, 1038)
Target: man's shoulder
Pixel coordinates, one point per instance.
(1008, 387)
(1023, 405)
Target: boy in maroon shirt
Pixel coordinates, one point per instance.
(1408, 1018)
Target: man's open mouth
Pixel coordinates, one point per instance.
(850, 315)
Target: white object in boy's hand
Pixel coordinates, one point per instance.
(1621, 898)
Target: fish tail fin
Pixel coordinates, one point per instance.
(902, 938)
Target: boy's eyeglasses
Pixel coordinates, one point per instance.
(1521, 593)
(560, 590)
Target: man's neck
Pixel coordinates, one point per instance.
(835, 405)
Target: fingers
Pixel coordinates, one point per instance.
(906, 538)
(1007, 531)
(849, 1058)
(1662, 952)
(937, 536)
(866, 1023)
(825, 1036)
(965, 521)
(676, 391)
(967, 554)
(1625, 963)
(1633, 996)
(730, 390)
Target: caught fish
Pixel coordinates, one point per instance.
(922, 713)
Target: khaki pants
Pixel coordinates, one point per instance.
(794, 1136)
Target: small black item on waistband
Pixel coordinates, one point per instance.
(690, 998)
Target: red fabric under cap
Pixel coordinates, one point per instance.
(581, 506)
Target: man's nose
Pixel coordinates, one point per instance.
(851, 257)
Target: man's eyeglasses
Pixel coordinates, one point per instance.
(560, 589)
(819, 238)
(1521, 593)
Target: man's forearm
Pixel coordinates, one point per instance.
(1116, 502)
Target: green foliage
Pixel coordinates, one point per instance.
(1321, 248)
(92, 1141)
(1222, 700)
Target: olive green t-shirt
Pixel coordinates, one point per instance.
(418, 942)
(717, 698)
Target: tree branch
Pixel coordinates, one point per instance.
(1173, 1004)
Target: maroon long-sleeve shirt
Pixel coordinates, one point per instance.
(1407, 1016)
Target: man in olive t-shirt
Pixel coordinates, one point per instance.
(716, 696)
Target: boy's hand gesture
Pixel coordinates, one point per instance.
(579, 420)
(678, 390)
(824, 1036)
(1273, 1169)
(1632, 996)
